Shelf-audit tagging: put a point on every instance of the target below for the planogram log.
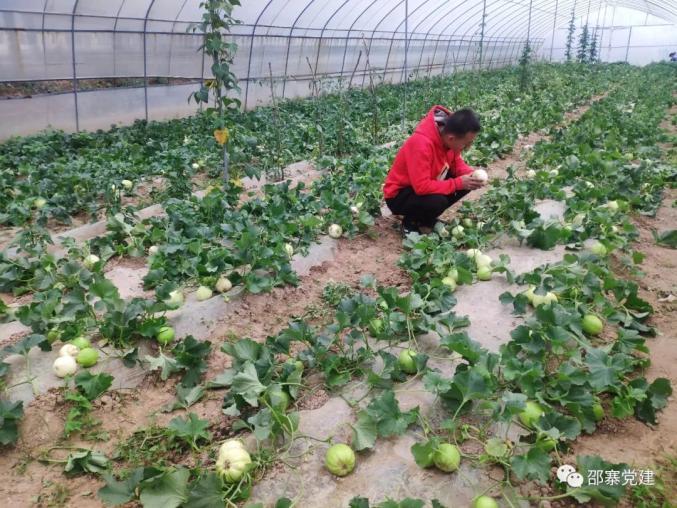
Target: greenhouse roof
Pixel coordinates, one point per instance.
(504, 18)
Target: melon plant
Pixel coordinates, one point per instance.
(592, 325)
(90, 261)
(165, 335)
(531, 413)
(340, 459)
(335, 231)
(80, 342)
(233, 461)
(484, 273)
(484, 502)
(223, 284)
(203, 293)
(65, 366)
(407, 362)
(447, 458)
(481, 174)
(69, 350)
(88, 357)
(175, 299)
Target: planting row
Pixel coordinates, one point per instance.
(202, 240)
(574, 360)
(57, 175)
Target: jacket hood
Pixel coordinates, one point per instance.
(428, 126)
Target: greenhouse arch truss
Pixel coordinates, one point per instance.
(86, 64)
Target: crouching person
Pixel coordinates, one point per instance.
(428, 174)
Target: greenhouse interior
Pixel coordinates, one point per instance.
(339, 254)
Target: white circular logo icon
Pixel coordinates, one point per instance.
(575, 480)
(564, 471)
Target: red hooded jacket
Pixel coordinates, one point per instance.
(423, 162)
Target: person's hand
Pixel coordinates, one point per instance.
(471, 183)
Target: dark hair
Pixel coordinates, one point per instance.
(462, 122)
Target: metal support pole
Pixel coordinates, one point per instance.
(202, 70)
(484, 15)
(554, 25)
(324, 27)
(531, 3)
(611, 32)
(406, 51)
(601, 36)
(627, 47)
(350, 29)
(446, 54)
(75, 78)
(291, 33)
(595, 32)
(145, 60)
(251, 49)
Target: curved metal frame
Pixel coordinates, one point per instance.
(539, 21)
(448, 25)
(178, 13)
(425, 40)
(115, 29)
(407, 38)
(350, 29)
(631, 5)
(468, 14)
(319, 42)
(601, 35)
(251, 49)
(444, 64)
(291, 31)
(500, 20)
(371, 39)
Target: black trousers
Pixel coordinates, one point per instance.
(421, 210)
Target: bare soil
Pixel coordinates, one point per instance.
(25, 90)
(630, 441)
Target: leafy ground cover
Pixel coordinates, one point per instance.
(75, 173)
(551, 360)
(201, 239)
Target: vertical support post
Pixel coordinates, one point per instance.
(484, 14)
(627, 47)
(554, 27)
(599, 11)
(251, 49)
(289, 39)
(446, 54)
(350, 29)
(491, 55)
(202, 68)
(531, 3)
(145, 60)
(611, 32)
(75, 77)
(406, 51)
(601, 36)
